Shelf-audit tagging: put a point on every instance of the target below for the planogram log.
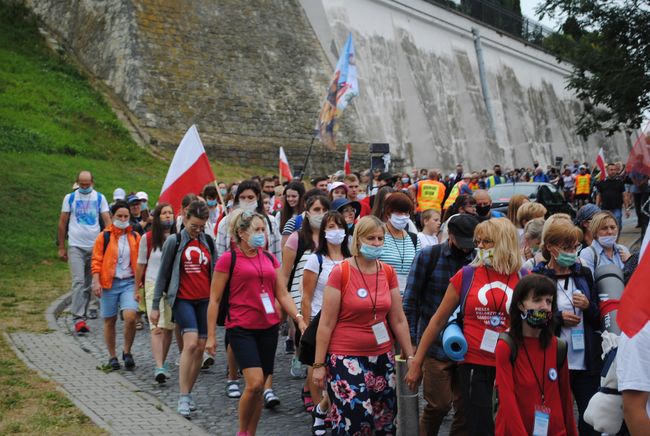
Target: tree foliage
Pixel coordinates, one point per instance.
(608, 43)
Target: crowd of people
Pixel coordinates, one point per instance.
(351, 273)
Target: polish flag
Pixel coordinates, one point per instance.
(285, 170)
(346, 160)
(600, 162)
(189, 172)
(634, 308)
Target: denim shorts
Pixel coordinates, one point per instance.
(192, 316)
(119, 297)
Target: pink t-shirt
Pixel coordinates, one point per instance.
(353, 334)
(251, 277)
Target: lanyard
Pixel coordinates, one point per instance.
(374, 302)
(570, 298)
(497, 309)
(402, 254)
(539, 385)
(260, 270)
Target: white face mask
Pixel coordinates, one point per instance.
(119, 224)
(399, 221)
(607, 241)
(315, 220)
(248, 206)
(335, 236)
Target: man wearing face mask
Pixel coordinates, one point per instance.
(83, 215)
(483, 206)
(496, 179)
(427, 282)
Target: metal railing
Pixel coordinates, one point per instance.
(500, 18)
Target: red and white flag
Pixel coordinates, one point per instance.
(189, 172)
(285, 169)
(639, 160)
(346, 160)
(600, 163)
(634, 308)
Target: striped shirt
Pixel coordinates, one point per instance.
(399, 253)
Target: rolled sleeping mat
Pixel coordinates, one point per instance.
(453, 342)
(609, 285)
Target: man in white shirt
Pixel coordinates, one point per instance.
(81, 213)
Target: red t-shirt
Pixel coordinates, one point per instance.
(194, 281)
(517, 401)
(251, 277)
(485, 300)
(353, 334)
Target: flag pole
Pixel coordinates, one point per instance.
(311, 145)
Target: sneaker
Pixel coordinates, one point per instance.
(208, 361)
(159, 375)
(92, 314)
(165, 369)
(232, 389)
(289, 348)
(114, 363)
(184, 406)
(129, 363)
(81, 327)
(270, 399)
(192, 403)
(296, 370)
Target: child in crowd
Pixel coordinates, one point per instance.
(430, 227)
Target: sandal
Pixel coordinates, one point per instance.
(320, 429)
(307, 402)
(139, 325)
(232, 389)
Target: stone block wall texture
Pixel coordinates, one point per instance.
(251, 75)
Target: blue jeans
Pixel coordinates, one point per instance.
(119, 297)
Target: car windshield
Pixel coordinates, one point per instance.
(503, 193)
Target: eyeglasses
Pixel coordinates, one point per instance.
(196, 228)
(477, 242)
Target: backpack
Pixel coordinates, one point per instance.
(224, 304)
(414, 239)
(107, 239)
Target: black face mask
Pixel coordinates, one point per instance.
(457, 253)
(482, 210)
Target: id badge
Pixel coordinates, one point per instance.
(577, 339)
(542, 419)
(489, 342)
(381, 333)
(266, 301)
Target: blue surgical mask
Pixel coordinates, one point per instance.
(607, 241)
(144, 205)
(566, 259)
(371, 252)
(350, 225)
(211, 203)
(257, 240)
(223, 192)
(87, 190)
(405, 180)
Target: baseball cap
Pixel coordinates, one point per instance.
(132, 199)
(119, 194)
(586, 212)
(462, 227)
(142, 196)
(582, 167)
(335, 185)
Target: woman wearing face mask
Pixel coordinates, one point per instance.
(578, 316)
(113, 264)
(294, 256)
(361, 304)
(531, 251)
(603, 249)
(400, 245)
(184, 276)
(249, 199)
(482, 290)
(532, 387)
(149, 256)
(332, 250)
(292, 202)
(252, 321)
(211, 196)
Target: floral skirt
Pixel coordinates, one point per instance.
(363, 393)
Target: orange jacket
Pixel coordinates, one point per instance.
(105, 263)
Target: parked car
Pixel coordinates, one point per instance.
(545, 193)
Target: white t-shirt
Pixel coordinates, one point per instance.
(123, 268)
(633, 362)
(312, 265)
(575, 357)
(83, 226)
(426, 240)
(153, 264)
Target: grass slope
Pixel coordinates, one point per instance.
(52, 124)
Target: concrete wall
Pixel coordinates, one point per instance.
(420, 87)
(252, 75)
